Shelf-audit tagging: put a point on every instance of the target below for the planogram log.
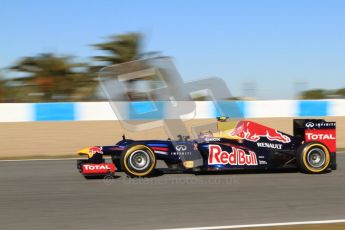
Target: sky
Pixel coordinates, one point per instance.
(274, 45)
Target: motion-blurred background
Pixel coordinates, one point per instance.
(264, 51)
(52, 51)
(280, 60)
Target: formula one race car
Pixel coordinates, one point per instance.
(242, 145)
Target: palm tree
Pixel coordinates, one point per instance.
(124, 48)
(340, 92)
(3, 89)
(314, 94)
(55, 77)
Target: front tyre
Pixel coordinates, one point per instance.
(313, 157)
(138, 160)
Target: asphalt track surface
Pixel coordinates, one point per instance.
(53, 195)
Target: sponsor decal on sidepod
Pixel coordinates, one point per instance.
(269, 145)
(236, 157)
(181, 151)
(181, 147)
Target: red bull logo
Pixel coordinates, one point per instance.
(95, 149)
(236, 157)
(252, 131)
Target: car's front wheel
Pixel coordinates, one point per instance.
(313, 157)
(138, 160)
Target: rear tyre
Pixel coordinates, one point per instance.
(138, 160)
(313, 158)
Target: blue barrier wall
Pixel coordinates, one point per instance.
(160, 110)
(54, 111)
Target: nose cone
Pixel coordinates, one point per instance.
(84, 151)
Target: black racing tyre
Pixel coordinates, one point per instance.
(313, 158)
(117, 163)
(138, 160)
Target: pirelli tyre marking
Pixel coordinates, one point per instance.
(139, 160)
(315, 158)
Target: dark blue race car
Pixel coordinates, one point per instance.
(234, 146)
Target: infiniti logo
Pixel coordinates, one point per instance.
(309, 125)
(181, 148)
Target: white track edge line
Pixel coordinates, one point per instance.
(262, 225)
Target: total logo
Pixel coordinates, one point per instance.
(236, 157)
(103, 168)
(325, 136)
(321, 136)
(97, 167)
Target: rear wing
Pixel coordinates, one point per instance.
(316, 130)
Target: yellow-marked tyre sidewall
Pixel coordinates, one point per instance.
(126, 154)
(303, 158)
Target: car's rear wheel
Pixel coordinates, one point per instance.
(313, 157)
(138, 160)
